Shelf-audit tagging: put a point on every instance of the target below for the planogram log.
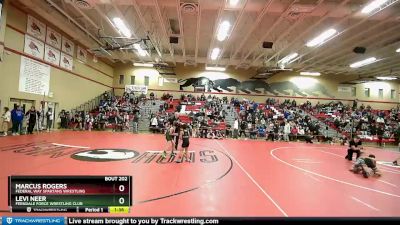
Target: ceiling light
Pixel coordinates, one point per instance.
(223, 30)
(139, 49)
(398, 50)
(373, 5)
(320, 39)
(310, 73)
(215, 68)
(288, 58)
(233, 2)
(143, 64)
(363, 62)
(215, 53)
(122, 27)
(386, 78)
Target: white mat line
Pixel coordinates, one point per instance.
(252, 179)
(327, 177)
(366, 204)
(167, 151)
(71, 146)
(389, 171)
(387, 183)
(311, 176)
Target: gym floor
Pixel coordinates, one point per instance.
(223, 178)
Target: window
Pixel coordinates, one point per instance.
(121, 79)
(380, 93)
(161, 81)
(132, 80)
(353, 91)
(392, 94)
(146, 80)
(366, 92)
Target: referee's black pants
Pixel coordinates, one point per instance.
(350, 152)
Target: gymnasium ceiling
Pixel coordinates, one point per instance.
(289, 24)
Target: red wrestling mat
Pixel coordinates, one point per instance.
(223, 178)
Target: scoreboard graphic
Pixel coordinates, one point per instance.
(87, 194)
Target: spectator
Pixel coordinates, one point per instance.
(253, 132)
(6, 121)
(286, 131)
(308, 138)
(243, 126)
(294, 132)
(63, 118)
(49, 119)
(32, 117)
(17, 116)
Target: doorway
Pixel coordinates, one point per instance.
(24, 103)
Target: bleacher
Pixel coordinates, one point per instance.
(328, 119)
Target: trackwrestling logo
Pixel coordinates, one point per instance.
(108, 155)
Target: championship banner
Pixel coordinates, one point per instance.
(1, 27)
(1, 10)
(53, 38)
(52, 55)
(171, 80)
(67, 46)
(34, 47)
(136, 88)
(34, 76)
(66, 61)
(346, 89)
(81, 54)
(36, 28)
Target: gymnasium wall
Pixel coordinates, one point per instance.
(69, 88)
(322, 89)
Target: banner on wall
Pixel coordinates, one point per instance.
(1, 10)
(81, 54)
(136, 88)
(52, 55)
(171, 80)
(66, 61)
(67, 46)
(345, 89)
(34, 47)
(53, 38)
(1, 39)
(34, 76)
(36, 28)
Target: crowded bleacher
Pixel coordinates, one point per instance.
(217, 118)
(272, 120)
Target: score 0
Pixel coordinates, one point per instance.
(121, 188)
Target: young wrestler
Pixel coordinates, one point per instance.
(169, 136)
(185, 136)
(176, 133)
(367, 166)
